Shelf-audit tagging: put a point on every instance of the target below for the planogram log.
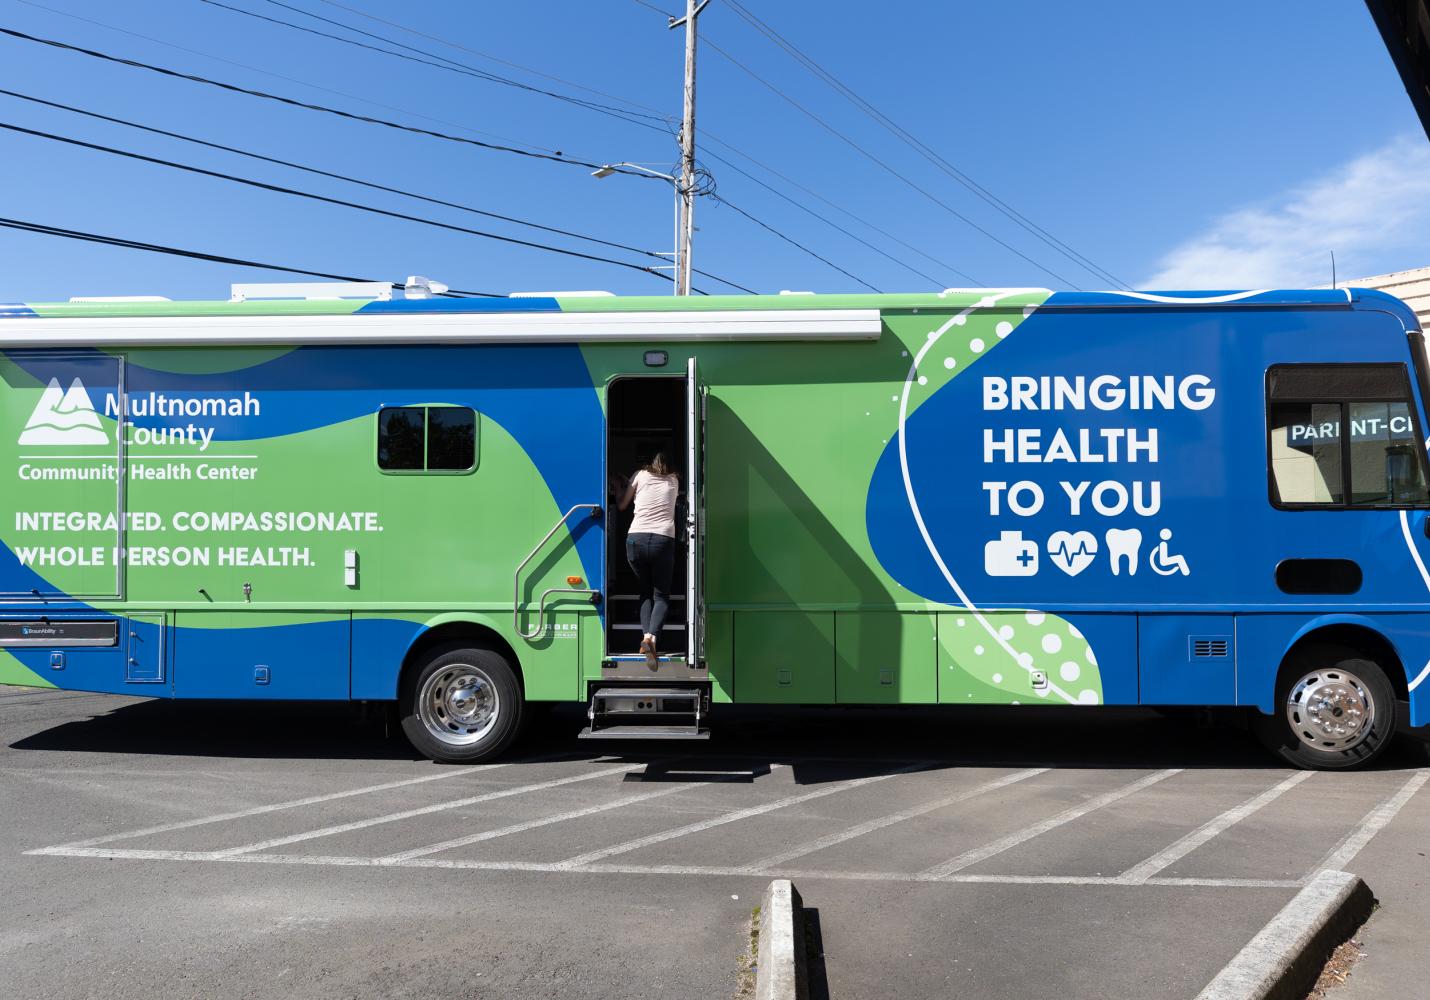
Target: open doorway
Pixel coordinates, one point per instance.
(644, 415)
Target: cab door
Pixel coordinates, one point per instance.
(695, 395)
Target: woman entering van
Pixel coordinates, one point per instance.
(650, 545)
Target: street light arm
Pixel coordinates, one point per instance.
(607, 169)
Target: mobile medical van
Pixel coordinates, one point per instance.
(973, 497)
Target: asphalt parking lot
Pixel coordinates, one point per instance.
(286, 850)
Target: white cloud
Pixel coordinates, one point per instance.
(1374, 212)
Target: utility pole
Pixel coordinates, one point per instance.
(686, 187)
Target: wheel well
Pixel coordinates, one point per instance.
(453, 633)
(1366, 641)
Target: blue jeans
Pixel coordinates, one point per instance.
(652, 557)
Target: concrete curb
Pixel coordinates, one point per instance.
(1283, 961)
(782, 973)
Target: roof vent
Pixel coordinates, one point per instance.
(419, 287)
(786, 291)
(320, 291)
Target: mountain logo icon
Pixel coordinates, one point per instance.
(64, 418)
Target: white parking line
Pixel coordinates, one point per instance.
(1145, 873)
(361, 824)
(477, 838)
(681, 831)
(973, 857)
(561, 868)
(1180, 849)
(774, 861)
(1344, 853)
(311, 800)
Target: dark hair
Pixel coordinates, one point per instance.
(658, 466)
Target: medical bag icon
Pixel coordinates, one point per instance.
(1010, 554)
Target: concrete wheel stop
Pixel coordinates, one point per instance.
(783, 972)
(1283, 960)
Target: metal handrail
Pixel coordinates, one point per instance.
(595, 510)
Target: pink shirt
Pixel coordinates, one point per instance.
(655, 504)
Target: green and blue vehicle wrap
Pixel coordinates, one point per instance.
(1001, 496)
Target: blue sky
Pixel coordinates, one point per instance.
(1211, 145)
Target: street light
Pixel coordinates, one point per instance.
(606, 170)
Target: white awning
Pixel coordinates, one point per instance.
(441, 328)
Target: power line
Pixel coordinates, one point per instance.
(456, 125)
(279, 189)
(924, 149)
(351, 180)
(651, 6)
(921, 147)
(790, 241)
(294, 102)
(829, 222)
(832, 204)
(484, 75)
(286, 79)
(881, 163)
(449, 65)
(804, 208)
(944, 165)
(119, 241)
(655, 115)
(656, 112)
(352, 116)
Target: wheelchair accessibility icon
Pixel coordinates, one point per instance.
(1162, 561)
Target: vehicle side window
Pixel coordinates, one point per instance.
(427, 439)
(1306, 453)
(1343, 436)
(451, 438)
(400, 436)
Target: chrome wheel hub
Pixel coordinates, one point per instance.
(459, 704)
(1330, 710)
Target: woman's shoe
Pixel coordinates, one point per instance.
(648, 648)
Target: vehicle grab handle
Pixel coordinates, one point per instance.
(596, 512)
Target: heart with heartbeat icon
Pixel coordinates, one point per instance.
(1072, 552)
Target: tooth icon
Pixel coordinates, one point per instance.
(1124, 545)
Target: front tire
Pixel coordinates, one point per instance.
(463, 706)
(1335, 710)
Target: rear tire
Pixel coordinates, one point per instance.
(1334, 711)
(463, 706)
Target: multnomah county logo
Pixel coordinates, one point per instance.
(64, 418)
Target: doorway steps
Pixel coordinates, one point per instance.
(647, 713)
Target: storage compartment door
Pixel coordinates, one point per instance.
(1186, 659)
(784, 657)
(221, 654)
(885, 658)
(146, 636)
